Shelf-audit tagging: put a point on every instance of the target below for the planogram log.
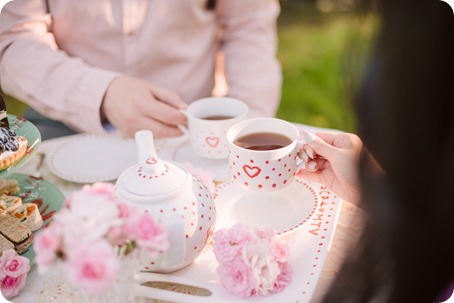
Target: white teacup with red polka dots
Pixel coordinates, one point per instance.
(208, 121)
(264, 170)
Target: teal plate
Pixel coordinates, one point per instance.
(45, 195)
(24, 128)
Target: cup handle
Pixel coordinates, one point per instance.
(299, 162)
(183, 127)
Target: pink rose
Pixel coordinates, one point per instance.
(11, 286)
(100, 188)
(284, 277)
(116, 236)
(13, 265)
(280, 249)
(238, 278)
(13, 273)
(92, 267)
(260, 259)
(84, 221)
(251, 261)
(126, 211)
(150, 235)
(265, 233)
(46, 245)
(119, 235)
(230, 242)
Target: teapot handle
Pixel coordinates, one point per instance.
(177, 248)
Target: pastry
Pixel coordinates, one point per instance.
(8, 204)
(9, 187)
(12, 147)
(29, 215)
(19, 234)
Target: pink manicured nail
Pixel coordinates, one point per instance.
(304, 157)
(312, 166)
(309, 152)
(308, 137)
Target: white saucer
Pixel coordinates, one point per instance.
(283, 210)
(218, 167)
(92, 158)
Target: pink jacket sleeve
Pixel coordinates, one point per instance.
(249, 44)
(33, 69)
(139, 38)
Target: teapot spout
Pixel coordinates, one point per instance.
(145, 145)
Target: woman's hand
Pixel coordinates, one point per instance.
(132, 104)
(332, 159)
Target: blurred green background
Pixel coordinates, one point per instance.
(322, 47)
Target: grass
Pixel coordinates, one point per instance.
(14, 106)
(321, 56)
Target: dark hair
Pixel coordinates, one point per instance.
(210, 5)
(405, 111)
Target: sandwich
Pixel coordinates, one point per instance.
(17, 233)
(8, 204)
(5, 244)
(29, 215)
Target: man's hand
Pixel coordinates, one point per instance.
(132, 104)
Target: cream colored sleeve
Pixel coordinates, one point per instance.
(34, 69)
(249, 44)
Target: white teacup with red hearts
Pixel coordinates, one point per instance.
(263, 153)
(208, 121)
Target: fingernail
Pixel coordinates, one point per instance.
(304, 157)
(308, 137)
(310, 153)
(312, 165)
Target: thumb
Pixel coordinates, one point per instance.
(322, 148)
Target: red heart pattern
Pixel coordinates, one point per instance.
(212, 141)
(152, 161)
(251, 171)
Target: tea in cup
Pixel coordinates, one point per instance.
(263, 153)
(208, 121)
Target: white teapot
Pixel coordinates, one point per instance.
(180, 201)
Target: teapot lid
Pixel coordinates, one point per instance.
(151, 176)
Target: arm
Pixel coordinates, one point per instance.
(249, 44)
(35, 70)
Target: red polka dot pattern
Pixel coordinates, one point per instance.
(197, 211)
(320, 229)
(262, 173)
